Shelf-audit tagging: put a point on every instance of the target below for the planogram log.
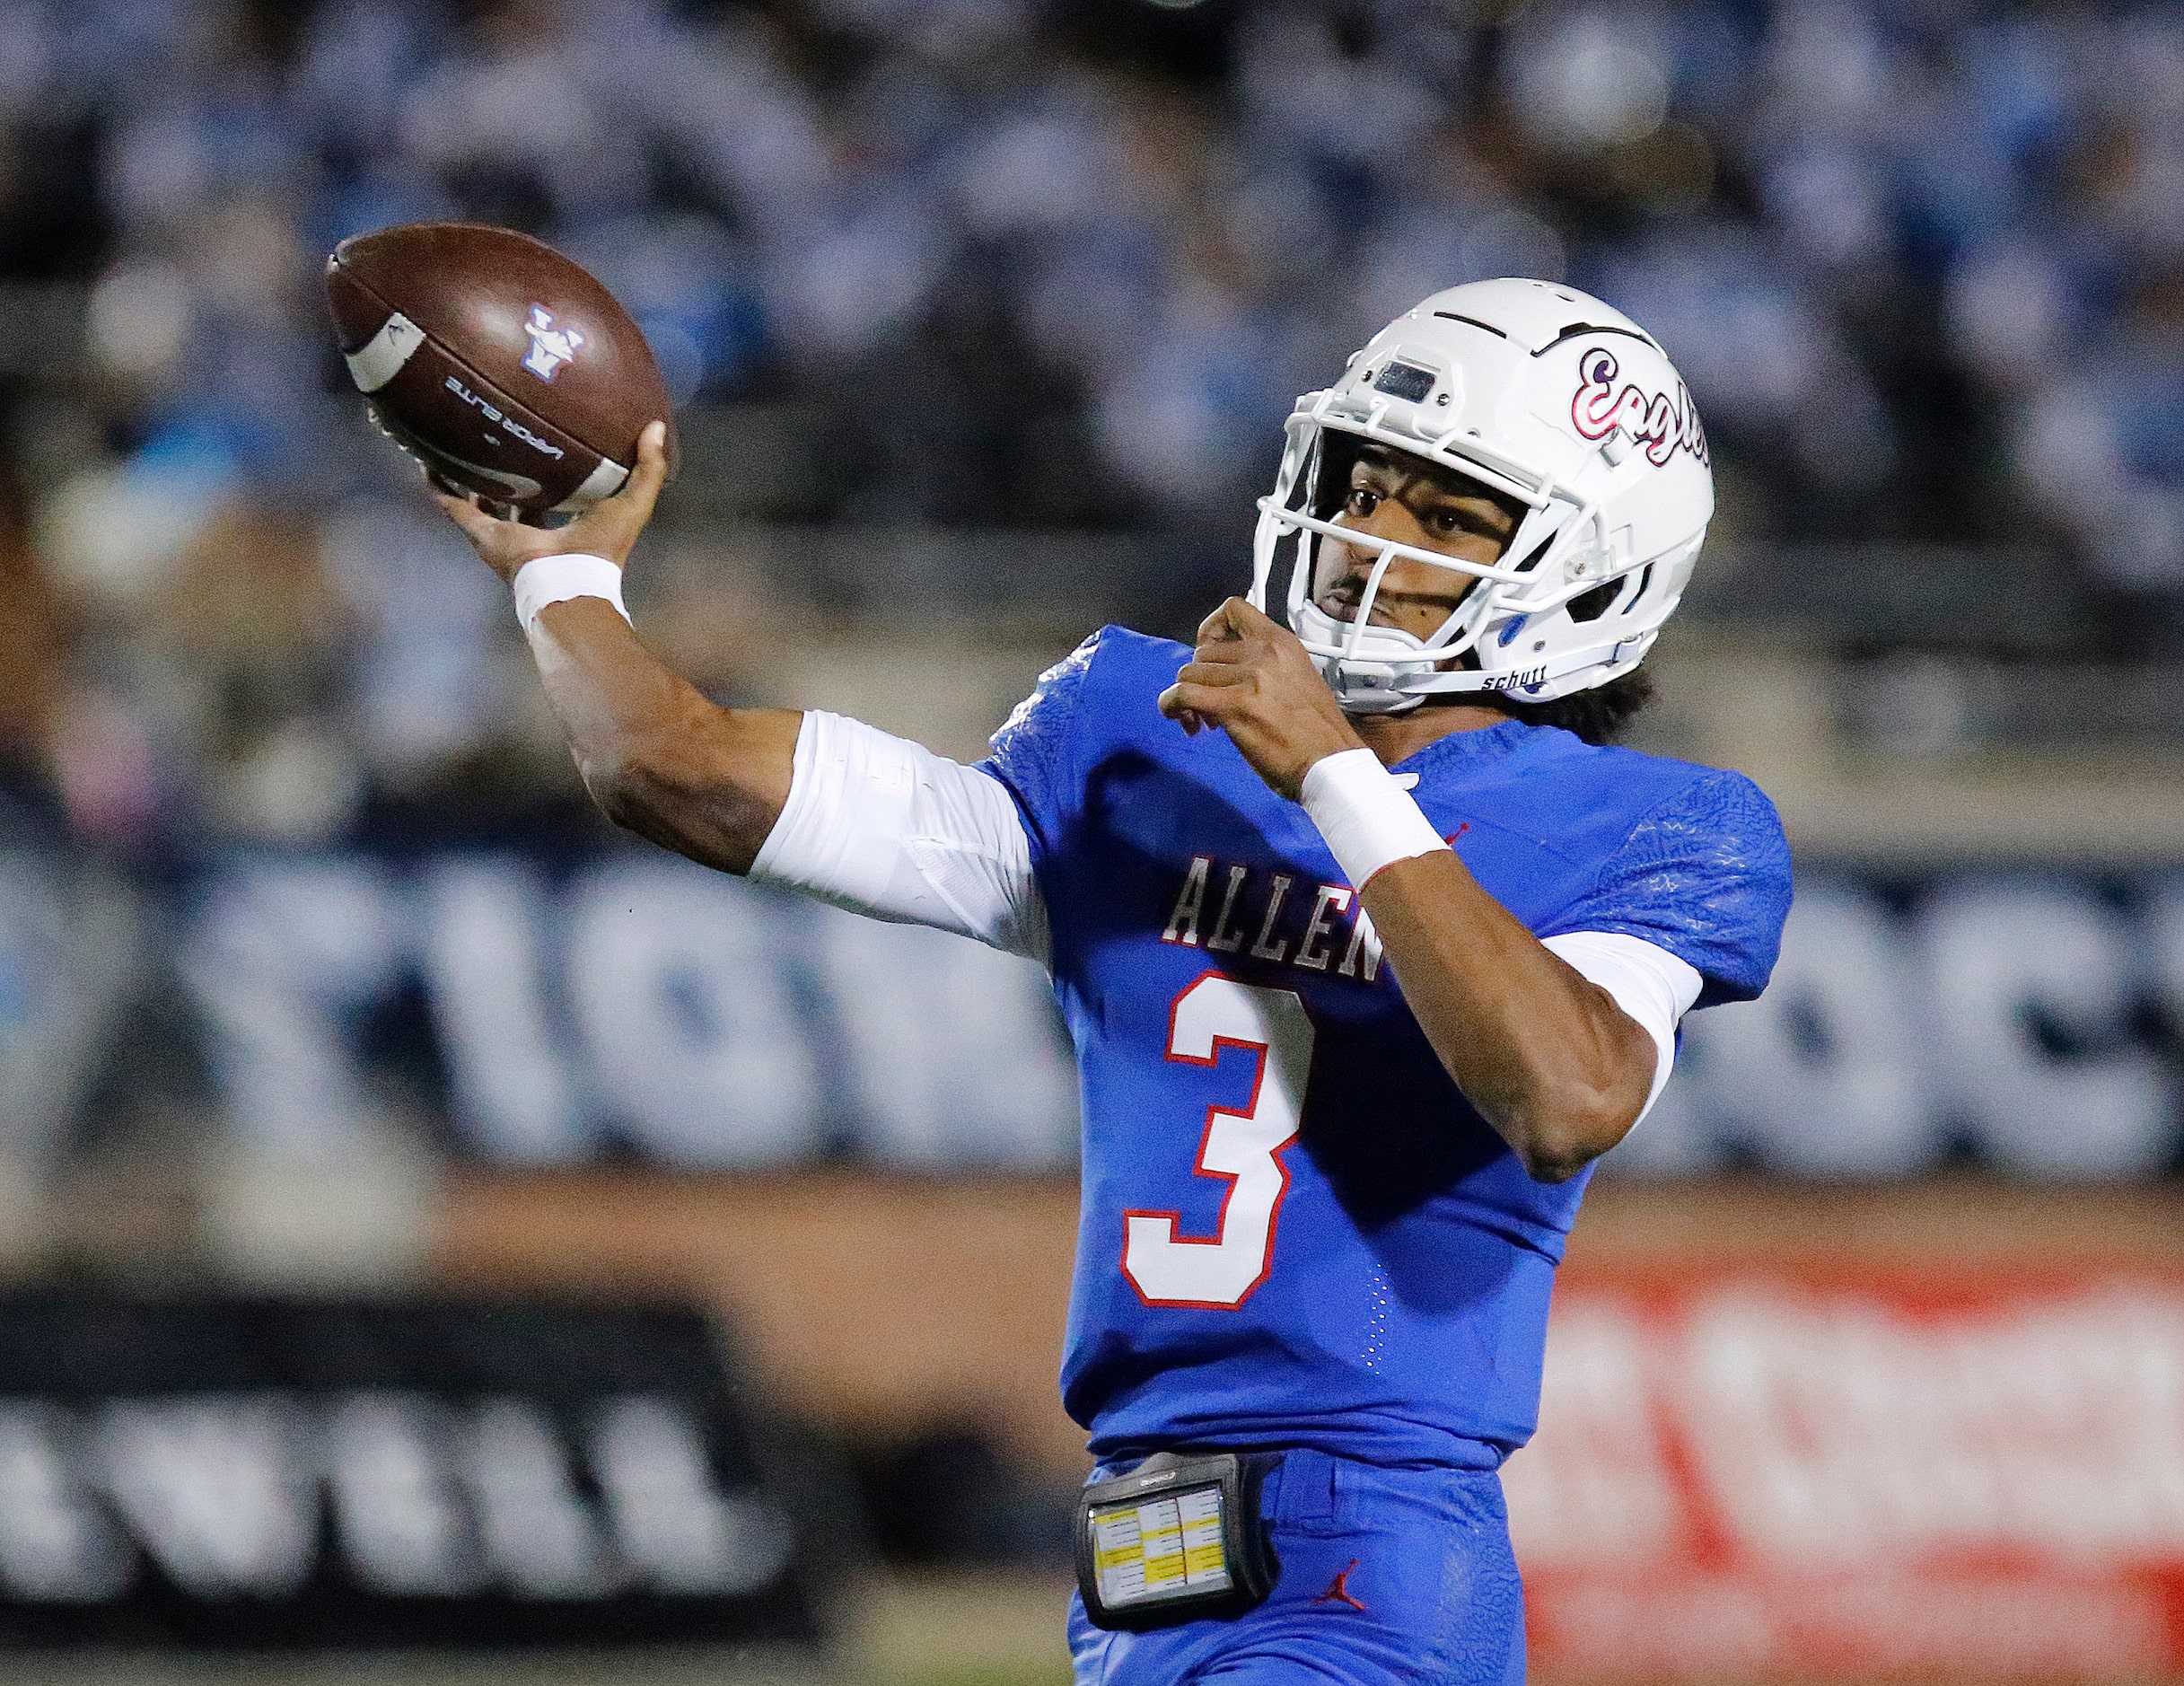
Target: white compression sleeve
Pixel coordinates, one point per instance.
(885, 828)
(1648, 983)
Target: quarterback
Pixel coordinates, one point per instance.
(1368, 942)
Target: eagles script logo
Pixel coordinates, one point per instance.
(550, 346)
(1664, 423)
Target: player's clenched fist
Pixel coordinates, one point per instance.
(1252, 677)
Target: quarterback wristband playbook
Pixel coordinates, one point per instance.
(1177, 1539)
(555, 579)
(1366, 814)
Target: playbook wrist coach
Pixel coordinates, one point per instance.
(1176, 1538)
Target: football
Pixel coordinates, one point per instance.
(497, 362)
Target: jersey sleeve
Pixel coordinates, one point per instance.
(1038, 754)
(1705, 875)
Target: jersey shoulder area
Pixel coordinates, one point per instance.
(1106, 685)
(1100, 694)
(1700, 865)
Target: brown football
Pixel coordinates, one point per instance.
(496, 361)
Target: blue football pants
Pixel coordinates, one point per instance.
(1387, 1576)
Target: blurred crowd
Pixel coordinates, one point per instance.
(1013, 264)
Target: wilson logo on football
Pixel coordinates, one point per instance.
(1662, 422)
(550, 346)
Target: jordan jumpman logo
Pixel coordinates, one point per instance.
(1338, 1590)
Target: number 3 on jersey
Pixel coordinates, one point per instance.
(1244, 1147)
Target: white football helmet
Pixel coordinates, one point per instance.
(1538, 391)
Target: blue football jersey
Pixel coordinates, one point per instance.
(1295, 1230)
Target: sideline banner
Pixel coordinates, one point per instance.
(1822, 1474)
(542, 1001)
(217, 1474)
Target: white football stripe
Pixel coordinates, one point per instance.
(603, 481)
(380, 358)
(518, 486)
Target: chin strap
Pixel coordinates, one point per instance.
(1384, 691)
(1364, 695)
(1524, 681)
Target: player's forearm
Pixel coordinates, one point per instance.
(658, 756)
(1546, 1057)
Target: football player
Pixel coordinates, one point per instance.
(1368, 946)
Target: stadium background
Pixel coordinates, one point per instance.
(320, 987)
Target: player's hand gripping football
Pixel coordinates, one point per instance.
(1252, 678)
(609, 528)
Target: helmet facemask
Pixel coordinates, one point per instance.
(1378, 669)
(1547, 398)
(1372, 657)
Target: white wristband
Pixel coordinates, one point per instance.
(555, 579)
(1367, 817)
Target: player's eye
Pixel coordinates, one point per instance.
(1363, 500)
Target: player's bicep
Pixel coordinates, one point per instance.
(971, 850)
(885, 828)
(1652, 986)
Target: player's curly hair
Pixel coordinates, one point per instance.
(1597, 715)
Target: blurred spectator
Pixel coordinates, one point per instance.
(30, 646)
(1024, 265)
